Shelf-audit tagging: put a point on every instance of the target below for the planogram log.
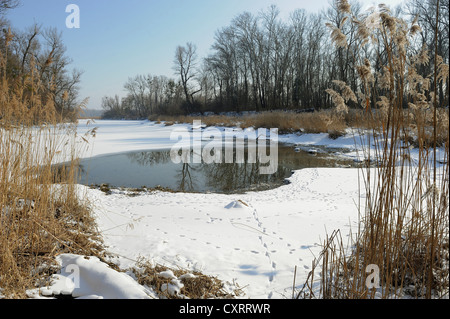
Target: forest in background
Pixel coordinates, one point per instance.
(262, 63)
(257, 63)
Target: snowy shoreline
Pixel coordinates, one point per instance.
(114, 136)
(254, 239)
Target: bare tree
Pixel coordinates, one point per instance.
(6, 5)
(52, 64)
(185, 63)
(137, 87)
(261, 62)
(425, 13)
(25, 46)
(41, 52)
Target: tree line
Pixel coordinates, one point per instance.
(36, 61)
(262, 62)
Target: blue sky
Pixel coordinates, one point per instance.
(118, 39)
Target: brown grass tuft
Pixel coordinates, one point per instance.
(195, 284)
(38, 219)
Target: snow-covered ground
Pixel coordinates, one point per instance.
(255, 239)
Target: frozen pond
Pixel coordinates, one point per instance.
(155, 168)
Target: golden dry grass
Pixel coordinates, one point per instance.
(403, 229)
(38, 219)
(285, 122)
(326, 121)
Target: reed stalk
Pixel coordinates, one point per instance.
(404, 231)
(42, 214)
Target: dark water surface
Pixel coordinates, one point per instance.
(152, 169)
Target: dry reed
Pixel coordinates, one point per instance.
(286, 122)
(403, 231)
(38, 219)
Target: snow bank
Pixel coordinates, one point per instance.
(88, 278)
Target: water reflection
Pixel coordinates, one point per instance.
(241, 177)
(155, 168)
(188, 181)
(149, 158)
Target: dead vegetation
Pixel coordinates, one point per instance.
(400, 248)
(187, 284)
(285, 122)
(38, 219)
(326, 121)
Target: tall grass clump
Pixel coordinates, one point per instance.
(38, 218)
(403, 232)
